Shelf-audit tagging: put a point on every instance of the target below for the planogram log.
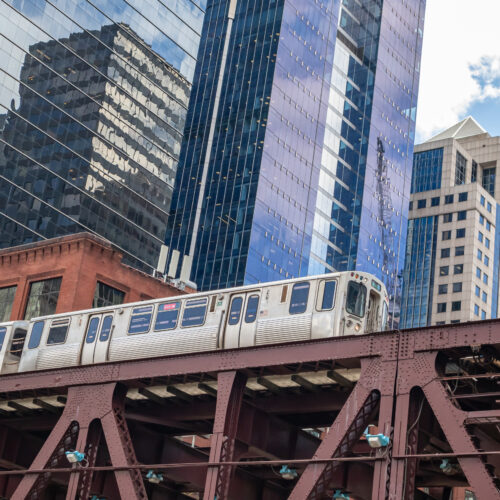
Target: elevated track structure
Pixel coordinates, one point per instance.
(221, 425)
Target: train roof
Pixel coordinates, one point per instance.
(243, 288)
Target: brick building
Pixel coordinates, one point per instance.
(70, 273)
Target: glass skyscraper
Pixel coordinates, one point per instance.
(298, 145)
(93, 102)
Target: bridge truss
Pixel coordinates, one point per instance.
(223, 424)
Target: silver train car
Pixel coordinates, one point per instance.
(331, 305)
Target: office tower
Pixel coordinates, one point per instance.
(298, 142)
(451, 270)
(93, 101)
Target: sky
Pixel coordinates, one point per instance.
(460, 72)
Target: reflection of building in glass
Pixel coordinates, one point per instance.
(298, 145)
(453, 248)
(91, 137)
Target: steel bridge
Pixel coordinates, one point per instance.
(221, 425)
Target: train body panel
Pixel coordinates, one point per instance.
(331, 305)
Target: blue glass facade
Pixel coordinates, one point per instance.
(93, 101)
(416, 304)
(307, 167)
(427, 170)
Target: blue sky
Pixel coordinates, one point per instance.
(460, 72)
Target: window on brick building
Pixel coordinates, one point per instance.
(42, 299)
(6, 301)
(106, 295)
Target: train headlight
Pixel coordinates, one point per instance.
(349, 323)
(357, 327)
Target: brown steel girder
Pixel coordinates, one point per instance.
(392, 365)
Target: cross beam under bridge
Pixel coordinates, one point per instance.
(223, 424)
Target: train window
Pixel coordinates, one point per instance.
(17, 344)
(166, 318)
(252, 308)
(3, 331)
(36, 335)
(356, 298)
(105, 328)
(92, 330)
(58, 331)
(284, 292)
(140, 319)
(235, 311)
(328, 295)
(298, 300)
(194, 313)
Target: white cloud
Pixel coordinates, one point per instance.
(460, 61)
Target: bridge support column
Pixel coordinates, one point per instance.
(376, 380)
(230, 387)
(86, 406)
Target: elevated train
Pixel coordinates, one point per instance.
(331, 305)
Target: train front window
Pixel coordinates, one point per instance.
(18, 339)
(166, 318)
(58, 331)
(356, 299)
(3, 331)
(36, 335)
(328, 295)
(252, 308)
(140, 320)
(92, 330)
(235, 311)
(105, 328)
(298, 300)
(194, 313)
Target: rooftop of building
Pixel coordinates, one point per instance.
(468, 127)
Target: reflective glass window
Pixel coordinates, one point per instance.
(459, 251)
(445, 252)
(421, 203)
(299, 298)
(36, 335)
(480, 236)
(107, 322)
(356, 298)
(42, 299)
(194, 313)
(448, 199)
(442, 289)
(489, 175)
(252, 308)
(460, 168)
(462, 196)
(448, 217)
(476, 309)
(441, 307)
(235, 311)
(435, 201)
(444, 270)
(478, 291)
(167, 316)
(478, 272)
(427, 168)
(489, 207)
(457, 287)
(106, 295)
(482, 200)
(473, 176)
(485, 297)
(458, 269)
(456, 305)
(462, 215)
(58, 331)
(487, 242)
(446, 235)
(479, 254)
(485, 278)
(483, 314)
(486, 261)
(92, 330)
(461, 232)
(140, 319)
(6, 301)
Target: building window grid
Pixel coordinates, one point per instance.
(42, 298)
(6, 300)
(427, 170)
(489, 176)
(105, 295)
(460, 169)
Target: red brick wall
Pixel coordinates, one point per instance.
(81, 260)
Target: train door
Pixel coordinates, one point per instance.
(97, 337)
(233, 321)
(241, 320)
(373, 312)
